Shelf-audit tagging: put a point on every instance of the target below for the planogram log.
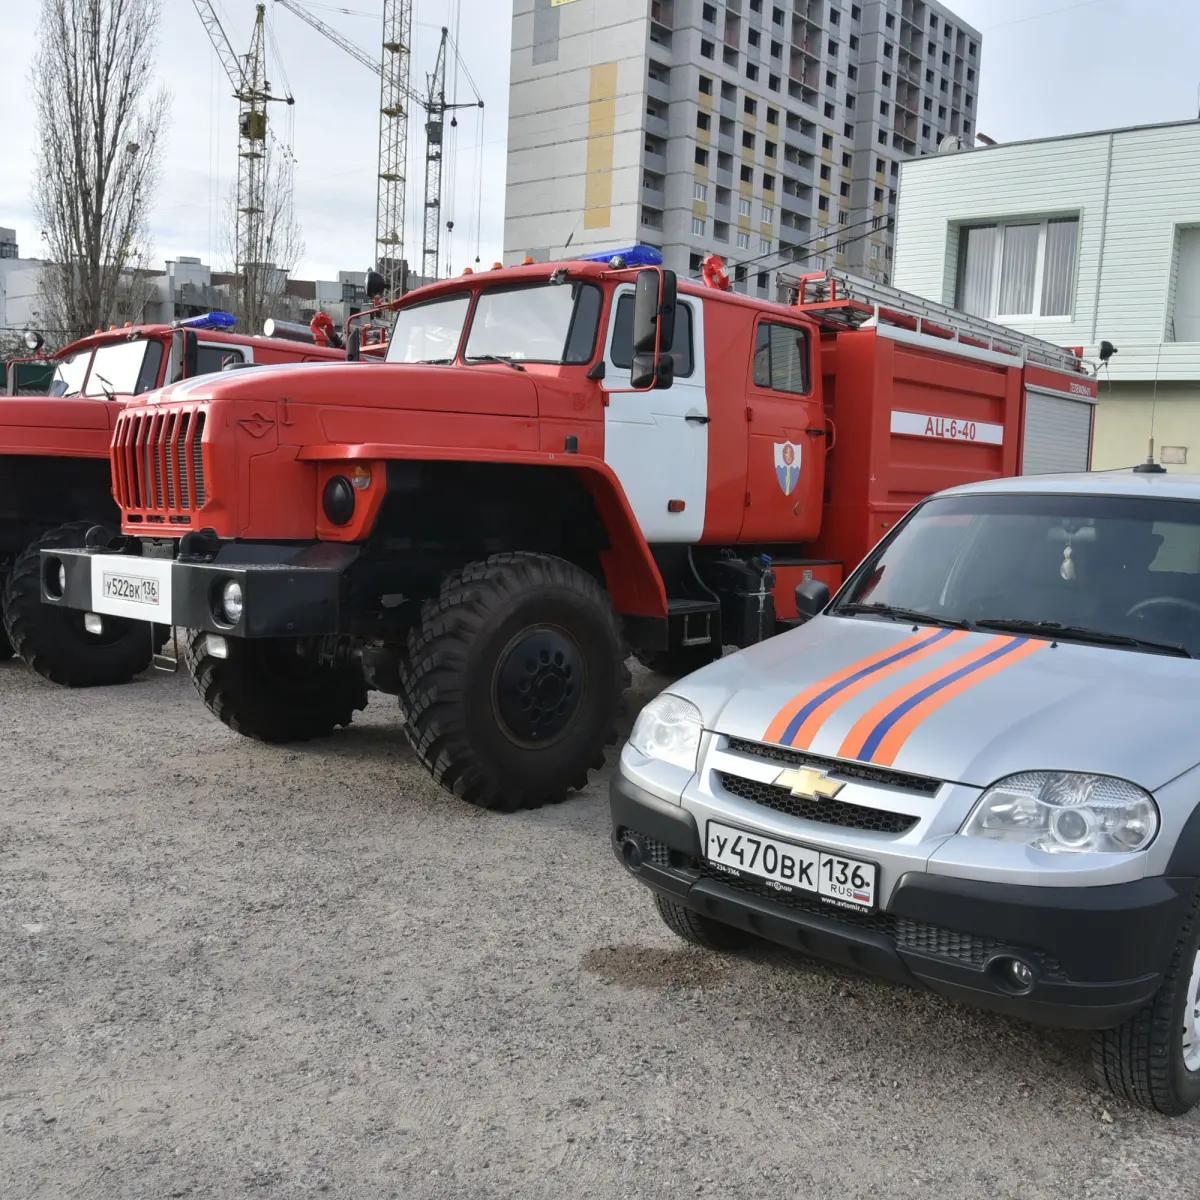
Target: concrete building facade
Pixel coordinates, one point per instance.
(1077, 239)
(767, 131)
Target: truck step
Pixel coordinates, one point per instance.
(695, 618)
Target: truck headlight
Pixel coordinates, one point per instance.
(669, 729)
(1064, 812)
(231, 601)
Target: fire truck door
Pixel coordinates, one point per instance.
(785, 475)
(657, 441)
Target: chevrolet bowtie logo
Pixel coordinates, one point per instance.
(809, 784)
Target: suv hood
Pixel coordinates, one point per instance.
(962, 707)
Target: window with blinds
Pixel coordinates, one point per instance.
(1013, 269)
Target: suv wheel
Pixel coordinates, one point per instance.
(1153, 1060)
(513, 681)
(698, 929)
(269, 690)
(53, 641)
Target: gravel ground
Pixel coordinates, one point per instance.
(231, 970)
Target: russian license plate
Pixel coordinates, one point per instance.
(134, 588)
(788, 867)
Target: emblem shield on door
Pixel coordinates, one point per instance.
(787, 466)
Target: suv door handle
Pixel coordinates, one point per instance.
(697, 418)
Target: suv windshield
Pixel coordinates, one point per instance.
(117, 368)
(1109, 569)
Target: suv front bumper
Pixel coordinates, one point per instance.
(1096, 954)
(287, 591)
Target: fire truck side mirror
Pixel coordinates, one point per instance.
(654, 304)
(184, 361)
(354, 344)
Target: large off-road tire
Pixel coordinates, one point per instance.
(682, 660)
(265, 689)
(513, 681)
(53, 641)
(1153, 1059)
(6, 649)
(698, 929)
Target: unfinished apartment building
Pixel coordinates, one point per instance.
(767, 131)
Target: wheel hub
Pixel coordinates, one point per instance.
(1191, 1019)
(538, 685)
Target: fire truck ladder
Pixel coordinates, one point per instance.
(844, 301)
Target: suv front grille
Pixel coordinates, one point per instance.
(158, 464)
(824, 811)
(900, 780)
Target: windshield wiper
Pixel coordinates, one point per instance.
(433, 362)
(110, 392)
(1080, 633)
(902, 614)
(500, 358)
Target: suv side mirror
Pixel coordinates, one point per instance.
(811, 598)
(654, 302)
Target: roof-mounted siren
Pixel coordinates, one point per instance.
(631, 256)
(212, 320)
(951, 144)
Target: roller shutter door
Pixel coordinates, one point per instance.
(1058, 434)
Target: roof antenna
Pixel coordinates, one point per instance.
(1150, 467)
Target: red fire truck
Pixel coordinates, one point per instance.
(55, 481)
(559, 462)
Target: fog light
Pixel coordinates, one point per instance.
(1019, 975)
(216, 645)
(93, 623)
(338, 500)
(231, 601)
(360, 476)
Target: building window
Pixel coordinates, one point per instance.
(853, 41)
(747, 174)
(968, 101)
(751, 72)
(971, 48)
(750, 105)
(928, 76)
(843, 217)
(781, 358)
(708, 14)
(777, 16)
(826, 171)
(970, 74)
(879, 165)
(924, 131)
(703, 122)
(698, 226)
(706, 85)
(883, 108)
(772, 116)
(833, 48)
(744, 207)
(848, 130)
(1018, 269)
(831, 79)
(888, 49)
(764, 278)
(850, 102)
(756, 6)
(764, 246)
(855, 12)
(830, 111)
(827, 141)
(773, 82)
(701, 157)
(743, 241)
(890, 21)
(706, 48)
(768, 182)
(882, 137)
(895, 169)
(945, 58)
(847, 159)
(754, 37)
(928, 103)
(776, 49)
(700, 192)
(769, 149)
(844, 190)
(835, 17)
(768, 214)
(941, 112)
(747, 139)
(851, 72)
(823, 203)
(944, 85)
(879, 195)
(887, 79)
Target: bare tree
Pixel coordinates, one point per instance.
(273, 243)
(99, 128)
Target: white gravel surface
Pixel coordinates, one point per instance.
(231, 970)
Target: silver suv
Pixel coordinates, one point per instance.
(977, 769)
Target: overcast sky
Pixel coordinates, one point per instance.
(1048, 67)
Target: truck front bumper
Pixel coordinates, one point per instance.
(286, 591)
(1095, 955)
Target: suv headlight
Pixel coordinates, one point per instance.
(669, 729)
(1066, 813)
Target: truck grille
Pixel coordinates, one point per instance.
(823, 811)
(158, 465)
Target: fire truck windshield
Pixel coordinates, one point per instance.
(117, 369)
(429, 333)
(544, 323)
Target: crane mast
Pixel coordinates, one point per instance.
(435, 124)
(394, 67)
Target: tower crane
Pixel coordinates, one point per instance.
(396, 93)
(248, 75)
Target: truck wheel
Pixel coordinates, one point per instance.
(53, 641)
(698, 929)
(266, 690)
(1153, 1060)
(683, 660)
(513, 681)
